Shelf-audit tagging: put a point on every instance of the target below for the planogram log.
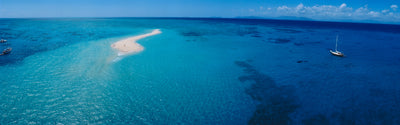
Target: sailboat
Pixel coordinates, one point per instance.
(336, 52)
(3, 41)
(6, 51)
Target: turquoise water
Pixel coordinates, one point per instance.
(199, 71)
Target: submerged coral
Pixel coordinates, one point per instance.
(287, 30)
(191, 33)
(278, 40)
(275, 102)
(252, 31)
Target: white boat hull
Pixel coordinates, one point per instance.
(336, 53)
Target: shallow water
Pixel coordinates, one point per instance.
(199, 71)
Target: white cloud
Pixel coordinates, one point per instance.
(283, 8)
(343, 6)
(374, 14)
(300, 6)
(385, 11)
(333, 13)
(394, 7)
(315, 11)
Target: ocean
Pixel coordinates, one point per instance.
(199, 71)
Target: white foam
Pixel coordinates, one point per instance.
(116, 59)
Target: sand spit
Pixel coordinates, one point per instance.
(130, 46)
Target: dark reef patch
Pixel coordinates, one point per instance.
(194, 36)
(301, 61)
(276, 103)
(191, 40)
(251, 31)
(278, 40)
(191, 33)
(256, 35)
(316, 42)
(309, 30)
(307, 43)
(287, 30)
(298, 44)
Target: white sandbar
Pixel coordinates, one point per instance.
(130, 46)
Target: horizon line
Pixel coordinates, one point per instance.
(213, 17)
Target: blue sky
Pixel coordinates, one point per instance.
(383, 11)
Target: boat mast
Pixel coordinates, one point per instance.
(336, 42)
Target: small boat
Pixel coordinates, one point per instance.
(336, 52)
(6, 51)
(3, 41)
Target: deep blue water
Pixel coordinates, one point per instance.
(199, 71)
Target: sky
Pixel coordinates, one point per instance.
(377, 11)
